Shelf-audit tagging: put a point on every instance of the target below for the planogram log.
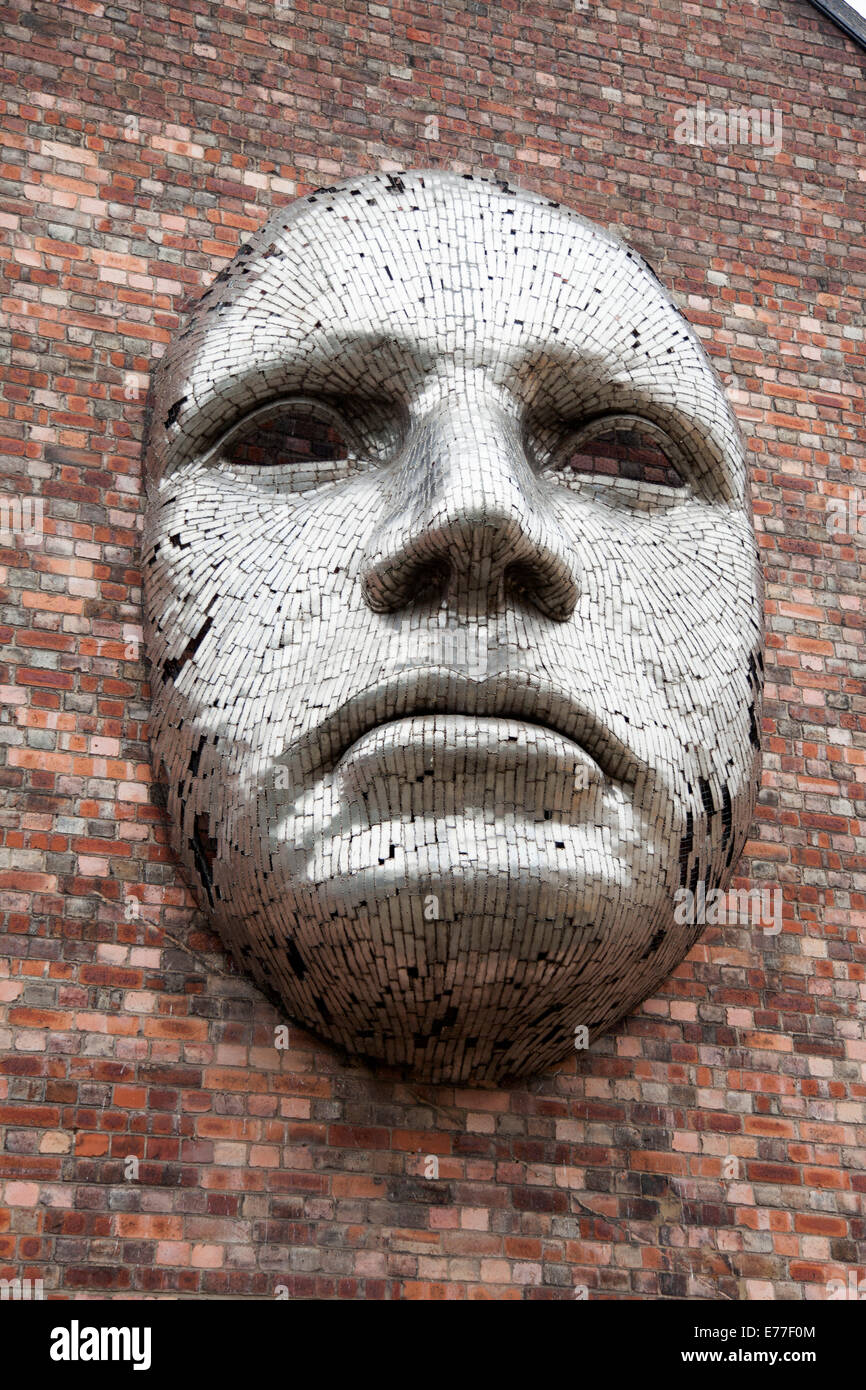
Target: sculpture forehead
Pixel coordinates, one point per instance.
(434, 256)
(448, 272)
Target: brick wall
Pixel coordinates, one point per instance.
(712, 1147)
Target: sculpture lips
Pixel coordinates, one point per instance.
(522, 697)
(459, 749)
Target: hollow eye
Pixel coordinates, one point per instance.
(297, 444)
(623, 449)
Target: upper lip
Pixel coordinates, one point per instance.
(439, 690)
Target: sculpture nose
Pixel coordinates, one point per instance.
(466, 518)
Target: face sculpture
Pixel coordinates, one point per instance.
(454, 621)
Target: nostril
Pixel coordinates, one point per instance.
(392, 585)
(521, 580)
(548, 587)
(540, 579)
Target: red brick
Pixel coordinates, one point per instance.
(773, 273)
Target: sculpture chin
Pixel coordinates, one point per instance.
(531, 957)
(502, 869)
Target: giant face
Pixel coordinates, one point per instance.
(454, 621)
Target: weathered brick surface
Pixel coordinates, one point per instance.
(713, 1146)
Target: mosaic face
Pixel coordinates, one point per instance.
(454, 621)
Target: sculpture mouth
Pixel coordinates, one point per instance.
(523, 699)
(469, 753)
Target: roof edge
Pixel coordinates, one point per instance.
(853, 24)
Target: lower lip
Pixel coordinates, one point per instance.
(456, 746)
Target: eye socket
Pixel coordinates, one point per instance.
(620, 449)
(296, 443)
